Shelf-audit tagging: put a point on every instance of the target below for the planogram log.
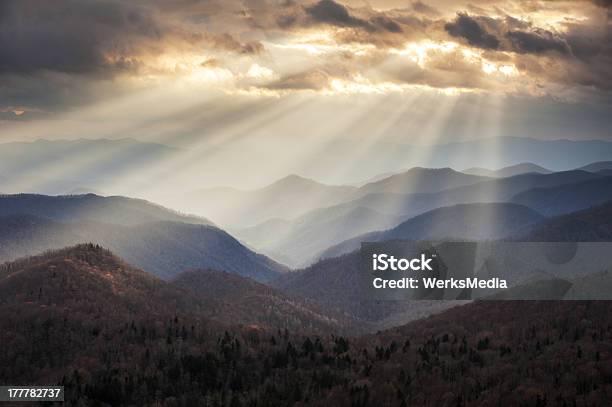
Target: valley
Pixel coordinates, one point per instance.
(193, 303)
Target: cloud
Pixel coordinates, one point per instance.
(537, 42)
(229, 43)
(423, 8)
(315, 79)
(330, 12)
(52, 54)
(603, 3)
(333, 14)
(470, 29)
(100, 36)
(72, 36)
(56, 54)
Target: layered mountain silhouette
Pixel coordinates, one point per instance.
(286, 198)
(479, 221)
(567, 198)
(597, 166)
(589, 225)
(151, 237)
(113, 209)
(296, 243)
(501, 190)
(291, 247)
(517, 169)
(163, 248)
(420, 180)
(294, 196)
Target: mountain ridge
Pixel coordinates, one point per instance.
(162, 248)
(476, 221)
(110, 209)
(509, 171)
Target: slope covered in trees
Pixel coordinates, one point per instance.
(230, 297)
(113, 335)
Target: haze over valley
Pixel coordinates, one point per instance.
(302, 236)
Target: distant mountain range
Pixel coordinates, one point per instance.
(518, 169)
(420, 180)
(160, 241)
(114, 209)
(239, 209)
(286, 198)
(588, 225)
(526, 168)
(567, 198)
(597, 166)
(478, 221)
(60, 166)
(303, 240)
(556, 155)
(296, 242)
(299, 221)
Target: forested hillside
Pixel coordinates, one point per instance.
(115, 336)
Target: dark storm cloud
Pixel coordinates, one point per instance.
(603, 3)
(97, 36)
(387, 24)
(330, 12)
(334, 14)
(506, 34)
(537, 42)
(71, 36)
(51, 52)
(578, 55)
(470, 29)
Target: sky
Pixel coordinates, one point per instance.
(237, 78)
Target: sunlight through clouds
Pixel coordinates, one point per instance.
(268, 87)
